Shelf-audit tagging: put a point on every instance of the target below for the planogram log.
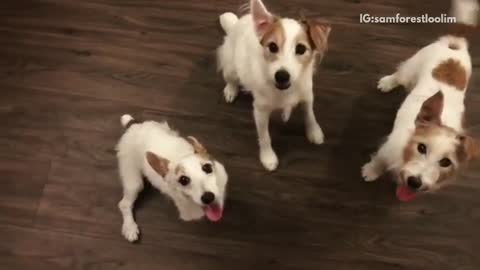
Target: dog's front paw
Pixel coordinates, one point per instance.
(315, 134)
(370, 172)
(286, 114)
(230, 92)
(269, 159)
(130, 231)
(191, 214)
(387, 83)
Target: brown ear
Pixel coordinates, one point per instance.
(159, 164)
(431, 110)
(469, 148)
(318, 33)
(262, 18)
(197, 146)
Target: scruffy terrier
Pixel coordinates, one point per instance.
(273, 58)
(181, 168)
(428, 143)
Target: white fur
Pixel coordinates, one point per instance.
(416, 74)
(158, 138)
(241, 59)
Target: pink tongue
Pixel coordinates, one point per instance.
(404, 194)
(214, 212)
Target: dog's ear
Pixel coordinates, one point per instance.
(262, 18)
(197, 146)
(431, 110)
(468, 149)
(159, 164)
(318, 33)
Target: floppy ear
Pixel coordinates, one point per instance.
(431, 110)
(469, 148)
(197, 146)
(318, 33)
(262, 18)
(158, 164)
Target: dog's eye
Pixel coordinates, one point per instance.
(445, 162)
(207, 168)
(422, 148)
(184, 180)
(300, 49)
(272, 47)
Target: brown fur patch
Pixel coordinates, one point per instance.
(431, 110)
(309, 56)
(198, 148)
(468, 149)
(318, 33)
(159, 164)
(276, 34)
(453, 46)
(452, 73)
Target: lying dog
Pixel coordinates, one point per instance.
(274, 59)
(428, 143)
(180, 168)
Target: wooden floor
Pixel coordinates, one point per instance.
(70, 68)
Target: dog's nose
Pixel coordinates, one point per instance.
(282, 77)
(414, 182)
(208, 197)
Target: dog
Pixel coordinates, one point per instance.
(428, 143)
(273, 58)
(181, 168)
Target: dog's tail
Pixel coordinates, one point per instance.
(227, 21)
(127, 120)
(466, 13)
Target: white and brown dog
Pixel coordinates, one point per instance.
(180, 168)
(428, 142)
(274, 59)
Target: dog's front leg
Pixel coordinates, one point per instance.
(313, 130)
(267, 155)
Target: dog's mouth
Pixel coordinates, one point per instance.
(404, 193)
(214, 212)
(282, 86)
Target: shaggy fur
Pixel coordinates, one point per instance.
(428, 143)
(181, 168)
(273, 58)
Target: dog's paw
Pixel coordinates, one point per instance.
(315, 134)
(130, 231)
(286, 114)
(370, 172)
(191, 214)
(269, 159)
(230, 92)
(387, 83)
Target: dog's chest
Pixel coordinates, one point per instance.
(275, 99)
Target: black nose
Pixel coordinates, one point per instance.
(282, 77)
(208, 197)
(414, 182)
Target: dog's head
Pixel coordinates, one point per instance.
(434, 152)
(196, 177)
(290, 46)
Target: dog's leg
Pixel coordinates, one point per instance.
(388, 83)
(286, 114)
(374, 169)
(132, 185)
(313, 130)
(232, 88)
(267, 155)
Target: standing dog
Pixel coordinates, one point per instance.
(180, 168)
(274, 59)
(428, 142)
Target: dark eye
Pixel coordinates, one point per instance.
(445, 162)
(422, 148)
(272, 47)
(207, 168)
(300, 49)
(184, 180)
